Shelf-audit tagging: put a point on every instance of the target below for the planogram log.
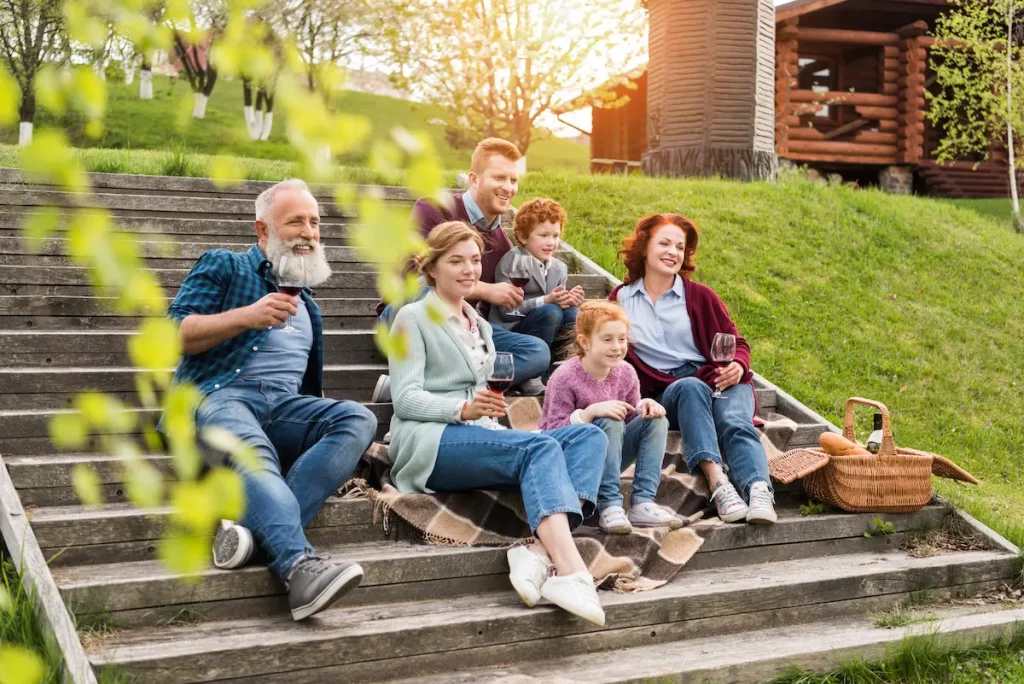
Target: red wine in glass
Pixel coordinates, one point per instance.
(499, 386)
(291, 290)
(519, 281)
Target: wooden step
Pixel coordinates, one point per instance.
(352, 643)
(99, 307)
(26, 433)
(766, 653)
(160, 592)
(143, 226)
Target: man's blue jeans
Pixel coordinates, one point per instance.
(553, 469)
(530, 355)
(550, 323)
(711, 427)
(640, 441)
(306, 448)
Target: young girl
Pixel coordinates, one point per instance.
(597, 386)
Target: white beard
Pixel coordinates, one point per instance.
(314, 265)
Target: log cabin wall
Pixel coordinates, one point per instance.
(618, 137)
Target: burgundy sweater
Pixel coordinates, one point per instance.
(707, 317)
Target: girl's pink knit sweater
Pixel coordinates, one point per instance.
(571, 387)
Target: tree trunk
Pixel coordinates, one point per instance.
(247, 111)
(129, 75)
(267, 124)
(199, 111)
(1018, 224)
(26, 115)
(145, 83)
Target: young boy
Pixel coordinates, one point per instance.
(548, 308)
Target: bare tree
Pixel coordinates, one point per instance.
(31, 35)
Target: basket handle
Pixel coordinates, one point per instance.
(888, 446)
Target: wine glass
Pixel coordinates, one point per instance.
(519, 275)
(291, 277)
(723, 350)
(503, 370)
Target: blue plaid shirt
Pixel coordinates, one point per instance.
(221, 281)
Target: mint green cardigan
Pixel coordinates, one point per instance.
(426, 386)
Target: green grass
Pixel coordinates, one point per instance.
(165, 123)
(842, 292)
(927, 660)
(20, 627)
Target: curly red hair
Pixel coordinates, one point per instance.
(634, 246)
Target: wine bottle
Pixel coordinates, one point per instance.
(875, 439)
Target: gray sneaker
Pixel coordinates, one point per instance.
(531, 388)
(233, 545)
(382, 390)
(314, 584)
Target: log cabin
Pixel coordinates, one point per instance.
(849, 81)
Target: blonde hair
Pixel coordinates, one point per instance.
(536, 212)
(489, 147)
(441, 239)
(593, 314)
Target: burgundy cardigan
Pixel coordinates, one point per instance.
(707, 317)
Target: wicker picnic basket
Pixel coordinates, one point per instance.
(894, 480)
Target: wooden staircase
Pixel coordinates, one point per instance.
(442, 613)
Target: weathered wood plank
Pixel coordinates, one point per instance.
(36, 579)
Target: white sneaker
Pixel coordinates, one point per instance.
(728, 503)
(614, 521)
(650, 514)
(232, 546)
(528, 571)
(575, 594)
(762, 505)
(382, 390)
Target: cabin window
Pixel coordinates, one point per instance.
(818, 74)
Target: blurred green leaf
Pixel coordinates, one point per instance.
(409, 143)
(90, 92)
(145, 390)
(49, 160)
(226, 171)
(105, 413)
(10, 97)
(19, 665)
(384, 234)
(154, 442)
(424, 177)
(392, 343)
(144, 484)
(68, 431)
(6, 604)
(82, 25)
(435, 313)
(179, 426)
(386, 159)
(87, 485)
(186, 553)
(157, 345)
(242, 455)
(228, 491)
(195, 507)
(39, 225)
(50, 89)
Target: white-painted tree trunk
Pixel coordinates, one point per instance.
(25, 133)
(250, 122)
(199, 111)
(129, 75)
(521, 165)
(268, 125)
(324, 154)
(1017, 223)
(100, 71)
(146, 84)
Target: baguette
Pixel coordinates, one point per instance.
(837, 445)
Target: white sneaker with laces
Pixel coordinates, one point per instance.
(614, 521)
(762, 505)
(728, 503)
(575, 594)
(528, 571)
(233, 545)
(382, 390)
(650, 514)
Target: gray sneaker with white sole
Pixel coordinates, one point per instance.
(314, 584)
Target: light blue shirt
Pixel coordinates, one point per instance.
(282, 357)
(659, 332)
(476, 215)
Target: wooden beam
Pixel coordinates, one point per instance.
(843, 159)
(846, 37)
(836, 147)
(866, 137)
(38, 582)
(794, 10)
(869, 112)
(844, 97)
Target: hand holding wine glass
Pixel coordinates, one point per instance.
(291, 279)
(519, 276)
(723, 351)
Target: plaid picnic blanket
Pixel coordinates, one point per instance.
(643, 560)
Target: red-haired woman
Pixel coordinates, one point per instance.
(673, 321)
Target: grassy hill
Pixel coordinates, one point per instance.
(914, 302)
(165, 123)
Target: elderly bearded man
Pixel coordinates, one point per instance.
(264, 385)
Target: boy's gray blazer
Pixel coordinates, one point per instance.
(539, 286)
